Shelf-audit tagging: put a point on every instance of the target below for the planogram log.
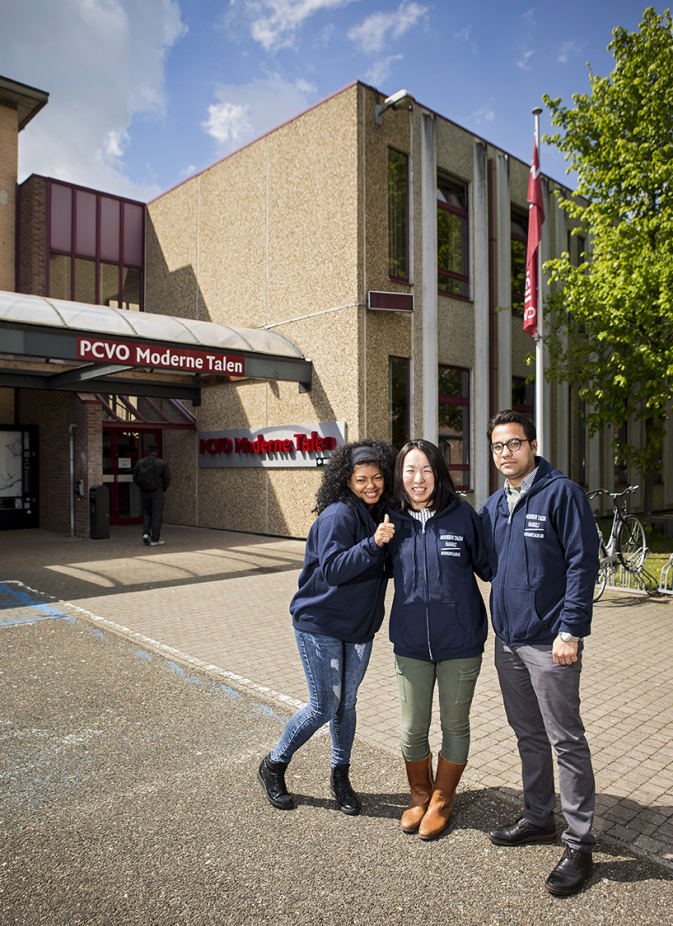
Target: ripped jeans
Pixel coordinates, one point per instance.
(334, 670)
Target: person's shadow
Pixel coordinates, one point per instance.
(483, 808)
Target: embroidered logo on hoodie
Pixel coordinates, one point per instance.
(535, 525)
(451, 544)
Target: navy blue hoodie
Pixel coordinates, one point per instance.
(438, 611)
(342, 584)
(544, 559)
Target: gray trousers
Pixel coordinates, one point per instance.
(542, 703)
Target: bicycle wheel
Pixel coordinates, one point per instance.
(602, 577)
(601, 582)
(631, 544)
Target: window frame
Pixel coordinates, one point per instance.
(462, 402)
(407, 255)
(79, 255)
(521, 217)
(450, 180)
(407, 424)
(526, 409)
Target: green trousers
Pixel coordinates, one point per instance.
(456, 680)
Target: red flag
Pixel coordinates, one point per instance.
(535, 220)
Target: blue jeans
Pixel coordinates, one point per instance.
(334, 670)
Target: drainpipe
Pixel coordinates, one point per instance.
(72, 430)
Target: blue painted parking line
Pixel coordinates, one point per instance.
(40, 611)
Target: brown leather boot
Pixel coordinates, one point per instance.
(437, 815)
(420, 781)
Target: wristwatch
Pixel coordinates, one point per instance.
(568, 637)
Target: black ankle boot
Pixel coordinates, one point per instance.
(272, 778)
(340, 787)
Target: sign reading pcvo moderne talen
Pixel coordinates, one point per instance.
(289, 445)
(162, 358)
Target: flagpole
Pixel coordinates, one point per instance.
(539, 330)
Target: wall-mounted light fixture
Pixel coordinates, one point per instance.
(392, 102)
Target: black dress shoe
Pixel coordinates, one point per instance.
(272, 778)
(340, 787)
(571, 873)
(522, 832)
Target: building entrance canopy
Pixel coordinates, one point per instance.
(117, 351)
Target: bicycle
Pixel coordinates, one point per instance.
(626, 546)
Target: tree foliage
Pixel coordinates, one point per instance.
(612, 316)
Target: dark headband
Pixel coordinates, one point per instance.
(363, 452)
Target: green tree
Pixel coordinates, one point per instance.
(611, 317)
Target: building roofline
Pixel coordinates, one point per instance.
(258, 138)
(29, 100)
(356, 83)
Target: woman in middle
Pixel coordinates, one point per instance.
(438, 626)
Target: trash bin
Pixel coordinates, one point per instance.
(99, 513)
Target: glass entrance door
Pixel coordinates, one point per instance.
(121, 451)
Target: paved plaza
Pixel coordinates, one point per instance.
(219, 601)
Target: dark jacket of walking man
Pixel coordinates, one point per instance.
(152, 476)
(541, 535)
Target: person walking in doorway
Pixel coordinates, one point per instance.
(152, 476)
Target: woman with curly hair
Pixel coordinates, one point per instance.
(437, 625)
(337, 610)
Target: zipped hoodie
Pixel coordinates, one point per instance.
(438, 611)
(342, 585)
(544, 558)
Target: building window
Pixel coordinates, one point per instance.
(454, 422)
(96, 247)
(398, 215)
(452, 238)
(518, 243)
(523, 396)
(398, 401)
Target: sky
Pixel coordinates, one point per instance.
(145, 93)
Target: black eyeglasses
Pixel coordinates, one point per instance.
(513, 444)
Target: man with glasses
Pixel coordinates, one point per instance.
(542, 538)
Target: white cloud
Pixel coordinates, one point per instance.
(567, 49)
(381, 69)
(485, 114)
(372, 34)
(524, 59)
(246, 111)
(464, 35)
(103, 64)
(275, 22)
(228, 123)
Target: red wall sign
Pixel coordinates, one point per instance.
(274, 446)
(164, 358)
(302, 442)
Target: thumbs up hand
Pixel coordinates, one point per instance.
(384, 532)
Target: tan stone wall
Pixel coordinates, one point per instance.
(9, 154)
(265, 237)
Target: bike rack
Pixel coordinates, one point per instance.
(638, 582)
(666, 579)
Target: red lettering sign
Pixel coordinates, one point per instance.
(261, 445)
(156, 356)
